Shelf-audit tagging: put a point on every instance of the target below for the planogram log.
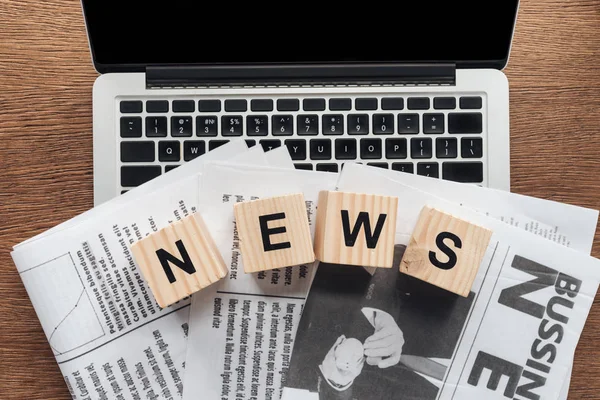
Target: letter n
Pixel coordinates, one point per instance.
(165, 258)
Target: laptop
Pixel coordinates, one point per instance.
(416, 87)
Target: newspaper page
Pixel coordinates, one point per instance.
(512, 336)
(109, 337)
(242, 329)
(565, 224)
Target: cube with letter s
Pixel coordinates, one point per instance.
(445, 251)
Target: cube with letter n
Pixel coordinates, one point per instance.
(179, 259)
(356, 229)
(445, 251)
(274, 233)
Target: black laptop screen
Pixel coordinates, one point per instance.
(195, 32)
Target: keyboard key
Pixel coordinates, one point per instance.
(313, 104)
(238, 105)
(465, 123)
(470, 103)
(471, 148)
(137, 151)
(333, 124)
(250, 143)
(170, 167)
(446, 148)
(345, 149)
(370, 149)
(257, 125)
(131, 127)
(418, 103)
(288, 105)
(296, 148)
(366, 104)
(129, 107)
(232, 125)
(184, 106)
(383, 165)
(327, 167)
(395, 148)
(433, 123)
(213, 144)
(320, 149)
(156, 126)
(308, 124)
(466, 172)
(383, 124)
(207, 125)
(444, 103)
(428, 169)
(169, 151)
(261, 105)
(157, 106)
(270, 144)
(181, 126)
(135, 176)
(304, 166)
(404, 167)
(283, 125)
(392, 103)
(340, 104)
(408, 123)
(358, 124)
(209, 105)
(193, 149)
(421, 148)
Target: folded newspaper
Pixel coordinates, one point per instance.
(111, 340)
(387, 335)
(109, 337)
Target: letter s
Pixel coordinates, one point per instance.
(439, 241)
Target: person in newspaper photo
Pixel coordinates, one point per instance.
(380, 336)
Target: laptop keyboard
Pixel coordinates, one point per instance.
(437, 136)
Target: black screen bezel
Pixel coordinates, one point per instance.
(102, 68)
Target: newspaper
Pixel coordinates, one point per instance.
(109, 337)
(242, 328)
(562, 223)
(513, 336)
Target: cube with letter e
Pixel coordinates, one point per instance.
(274, 233)
(179, 259)
(356, 229)
(445, 251)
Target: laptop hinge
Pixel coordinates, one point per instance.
(300, 75)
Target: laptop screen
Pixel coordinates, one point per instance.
(131, 34)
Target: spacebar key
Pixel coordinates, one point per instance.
(135, 176)
(466, 172)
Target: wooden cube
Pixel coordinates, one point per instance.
(445, 251)
(179, 259)
(274, 233)
(356, 229)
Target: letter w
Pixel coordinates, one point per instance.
(166, 257)
(363, 219)
(513, 296)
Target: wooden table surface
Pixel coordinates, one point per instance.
(46, 81)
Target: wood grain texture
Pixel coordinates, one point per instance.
(469, 244)
(340, 217)
(201, 253)
(281, 239)
(46, 151)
